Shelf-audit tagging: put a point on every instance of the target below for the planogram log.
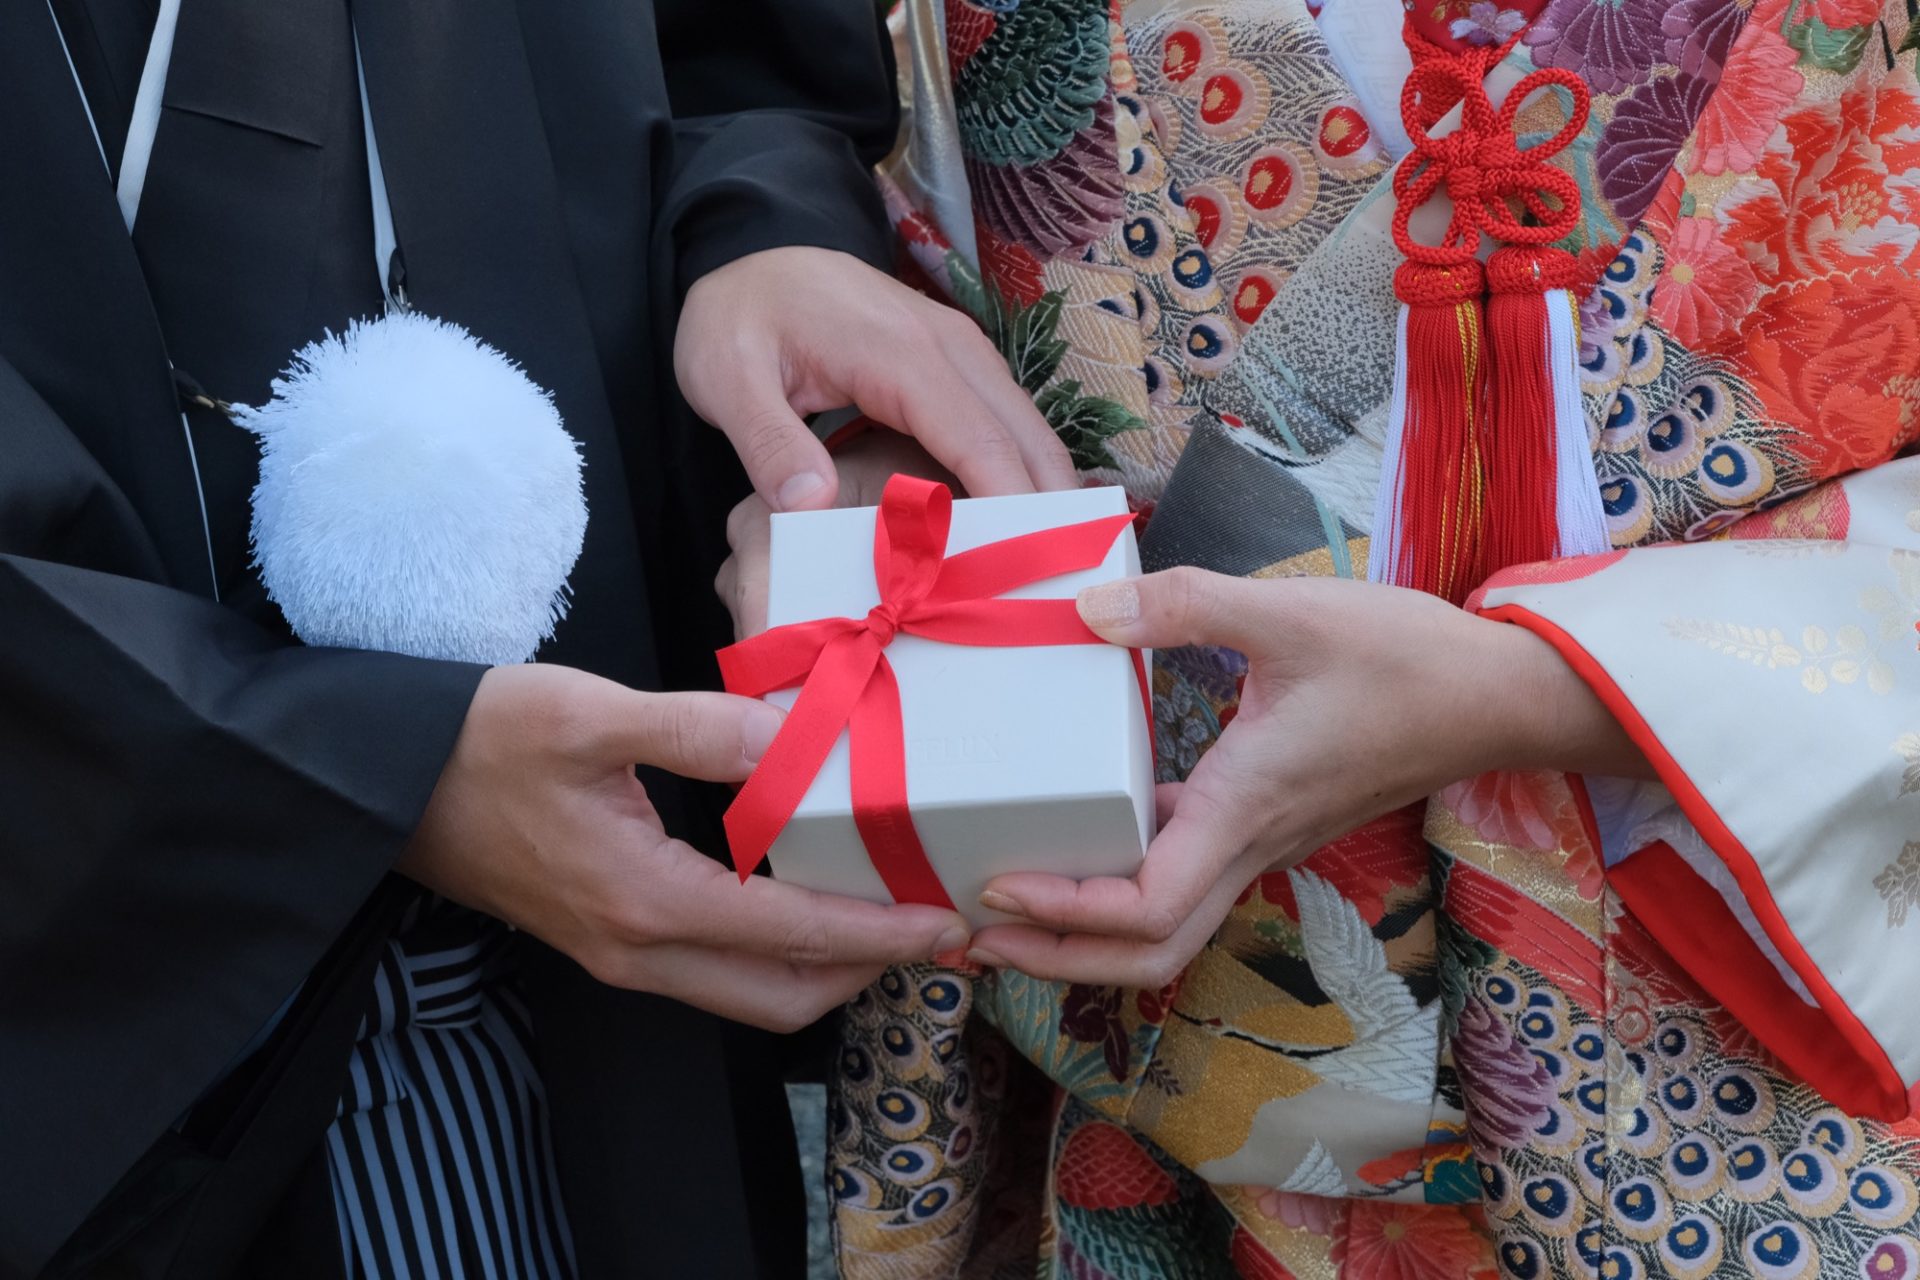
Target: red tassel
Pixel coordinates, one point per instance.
(1477, 413)
(1442, 499)
(1522, 523)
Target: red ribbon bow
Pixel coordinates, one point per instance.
(846, 681)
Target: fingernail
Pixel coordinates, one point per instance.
(994, 900)
(951, 959)
(985, 959)
(757, 730)
(797, 489)
(1111, 604)
(953, 939)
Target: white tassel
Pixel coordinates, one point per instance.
(1383, 548)
(1582, 520)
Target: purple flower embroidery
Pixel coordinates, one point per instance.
(1699, 33)
(1506, 1089)
(1647, 130)
(1596, 325)
(1611, 44)
(1488, 23)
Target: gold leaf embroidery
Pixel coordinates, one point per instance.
(1899, 884)
(1762, 646)
(1786, 548)
(1849, 655)
(1907, 747)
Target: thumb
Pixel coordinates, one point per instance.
(1179, 607)
(789, 467)
(713, 736)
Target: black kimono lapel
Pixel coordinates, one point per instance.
(120, 403)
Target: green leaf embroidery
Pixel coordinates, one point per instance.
(968, 289)
(1085, 423)
(1828, 48)
(1026, 337)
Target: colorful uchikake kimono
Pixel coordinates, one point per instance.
(1534, 1027)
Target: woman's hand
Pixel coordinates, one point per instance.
(1359, 699)
(538, 820)
(787, 332)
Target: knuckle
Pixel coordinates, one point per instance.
(994, 448)
(568, 721)
(606, 965)
(1186, 593)
(765, 434)
(1159, 924)
(683, 730)
(806, 942)
(740, 519)
(628, 921)
(926, 329)
(957, 327)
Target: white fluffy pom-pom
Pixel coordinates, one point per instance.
(418, 494)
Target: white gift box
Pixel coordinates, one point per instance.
(1018, 758)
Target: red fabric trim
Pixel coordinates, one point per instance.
(1695, 925)
(1565, 569)
(1865, 1083)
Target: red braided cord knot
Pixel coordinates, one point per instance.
(1493, 182)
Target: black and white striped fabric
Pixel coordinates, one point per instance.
(441, 1158)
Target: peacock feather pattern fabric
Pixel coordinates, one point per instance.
(1465, 1041)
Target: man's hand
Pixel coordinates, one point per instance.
(864, 468)
(539, 820)
(788, 332)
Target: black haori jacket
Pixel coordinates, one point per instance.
(197, 815)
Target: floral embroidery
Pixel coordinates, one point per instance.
(1899, 884)
(1707, 288)
(1647, 131)
(1758, 83)
(1488, 23)
(1612, 45)
(1834, 191)
(1907, 747)
(1837, 15)
(1700, 32)
(1819, 352)
(1317, 1214)
(1406, 1242)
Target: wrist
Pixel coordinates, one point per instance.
(1550, 717)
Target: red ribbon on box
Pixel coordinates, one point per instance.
(847, 683)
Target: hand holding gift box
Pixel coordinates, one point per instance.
(955, 719)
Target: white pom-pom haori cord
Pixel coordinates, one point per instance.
(418, 492)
